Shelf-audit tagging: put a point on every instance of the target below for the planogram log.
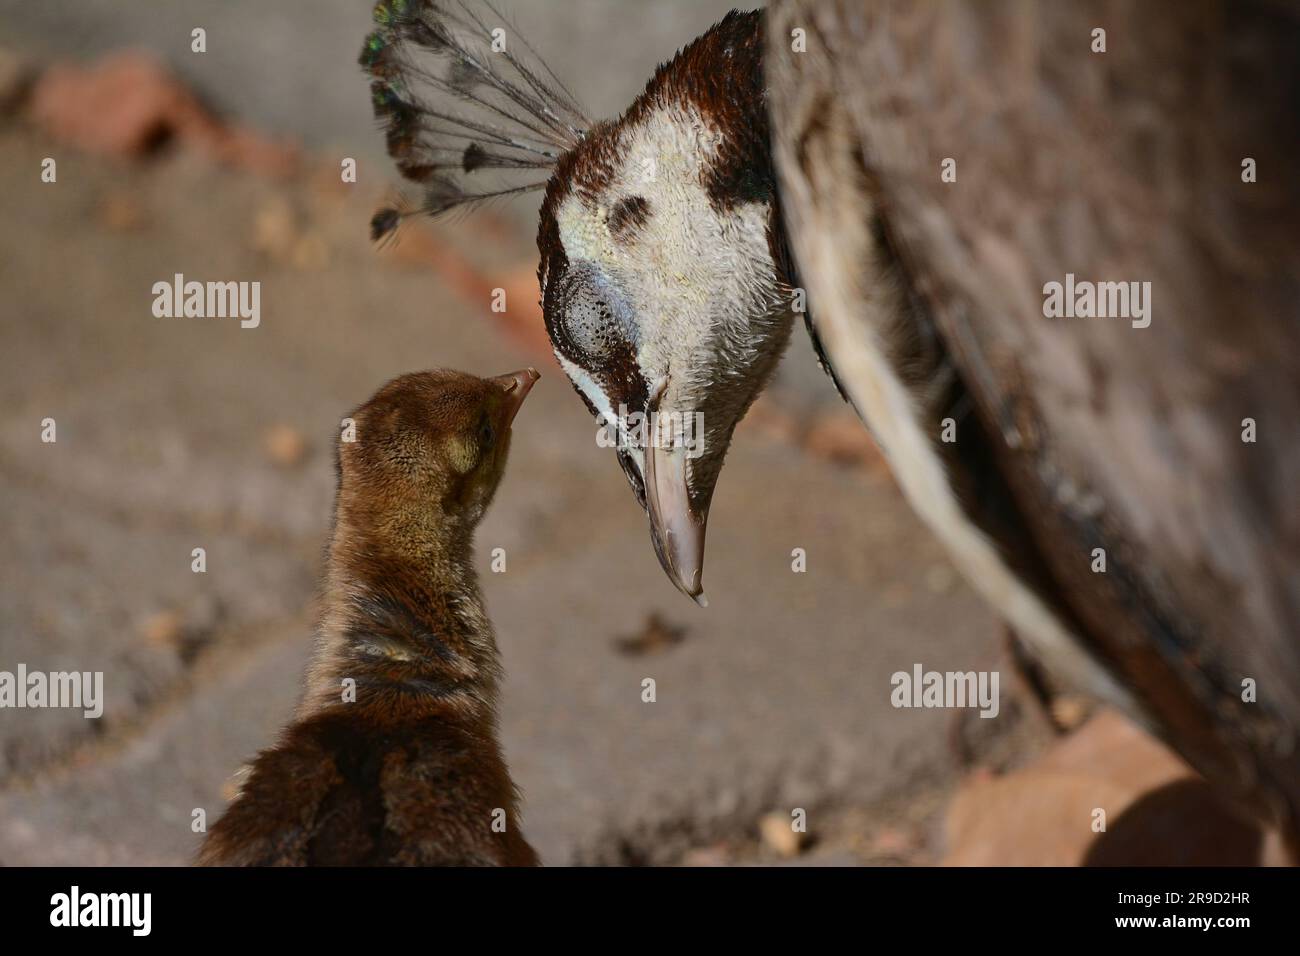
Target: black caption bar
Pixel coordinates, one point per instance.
(327, 906)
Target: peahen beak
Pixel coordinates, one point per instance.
(676, 528)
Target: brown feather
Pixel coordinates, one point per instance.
(1117, 166)
(411, 772)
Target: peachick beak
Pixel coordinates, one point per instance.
(517, 385)
(677, 531)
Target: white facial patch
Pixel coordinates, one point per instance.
(699, 278)
(587, 385)
(599, 400)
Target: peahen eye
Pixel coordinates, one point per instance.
(591, 319)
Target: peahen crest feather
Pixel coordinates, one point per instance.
(455, 103)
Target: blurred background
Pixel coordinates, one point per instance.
(174, 434)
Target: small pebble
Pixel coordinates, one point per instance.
(164, 629)
(284, 445)
(779, 835)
